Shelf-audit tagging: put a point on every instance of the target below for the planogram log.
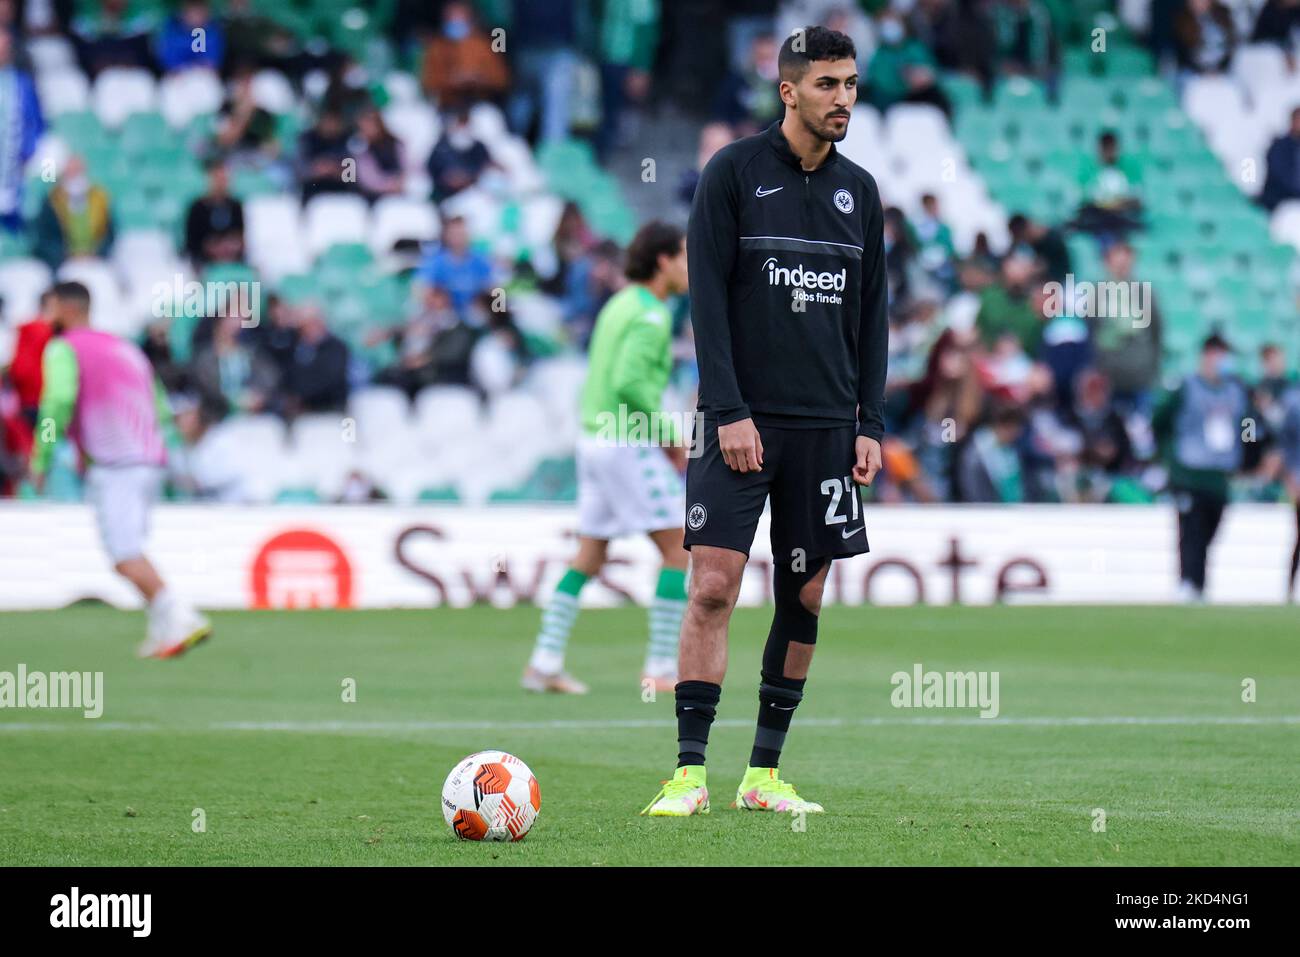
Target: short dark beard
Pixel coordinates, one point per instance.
(824, 131)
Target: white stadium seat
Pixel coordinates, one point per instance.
(62, 91)
(108, 307)
(400, 217)
(273, 92)
(190, 93)
(445, 413)
(402, 87)
(378, 411)
(22, 280)
(1209, 98)
(273, 234)
(1285, 223)
(51, 53)
(331, 218)
(416, 124)
(120, 91)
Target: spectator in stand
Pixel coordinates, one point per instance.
(1026, 44)
(21, 125)
(110, 37)
(628, 40)
(434, 346)
(454, 266)
(1007, 307)
(960, 35)
(1274, 378)
(542, 41)
(321, 152)
(713, 136)
(214, 225)
(1282, 180)
(460, 66)
(316, 379)
(749, 100)
(75, 220)
(936, 254)
(1128, 349)
(990, 465)
(247, 135)
(255, 41)
(191, 38)
(497, 363)
(458, 159)
(278, 336)
(1205, 37)
(1111, 183)
(1031, 237)
(902, 70)
(230, 376)
(900, 256)
(25, 366)
(1106, 444)
(1279, 23)
(381, 161)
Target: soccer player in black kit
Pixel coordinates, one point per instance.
(788, 301)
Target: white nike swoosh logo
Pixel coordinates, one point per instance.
(854, 532)
(761, 192)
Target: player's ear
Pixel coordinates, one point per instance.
(786, 90)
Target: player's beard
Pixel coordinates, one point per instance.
(823, 130)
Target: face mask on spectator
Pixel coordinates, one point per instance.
(891, 32)
(456, 30)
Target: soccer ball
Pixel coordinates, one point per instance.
(491, 796)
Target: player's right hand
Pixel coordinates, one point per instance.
(742, 449)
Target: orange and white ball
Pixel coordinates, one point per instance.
(491, 796)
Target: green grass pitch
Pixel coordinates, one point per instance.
(1137, 711)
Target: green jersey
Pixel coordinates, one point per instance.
(629, 360)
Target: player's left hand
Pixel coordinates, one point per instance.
(868, 464)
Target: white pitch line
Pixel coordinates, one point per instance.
(347, 727)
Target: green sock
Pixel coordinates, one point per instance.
(666, 610)
(557, 621)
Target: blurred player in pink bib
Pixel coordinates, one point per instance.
(101, 392)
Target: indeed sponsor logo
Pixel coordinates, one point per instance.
(805, 284)
(802, 277)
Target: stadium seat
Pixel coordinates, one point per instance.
(1285, 224)
(273, 92)
(1207, 99)
(331, 218)
(416, 124)
(120, 91)
(22, 280)
(50, 54)
(62, 91)
(402, 87)
(445, 414)
(273, 234)
(107, 307)
(1259, 65)
(399, 217)
(190, 93)
(378, 409)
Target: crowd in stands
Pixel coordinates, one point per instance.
(995, 393)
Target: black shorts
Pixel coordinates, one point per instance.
(808, 473)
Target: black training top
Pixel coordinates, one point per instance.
(788, 291)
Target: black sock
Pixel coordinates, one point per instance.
(697, 703)
(778, 696)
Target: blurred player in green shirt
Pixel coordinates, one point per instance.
(630, 459)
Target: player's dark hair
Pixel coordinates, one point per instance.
(651, 241)
(814, 43)
(74, 293)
